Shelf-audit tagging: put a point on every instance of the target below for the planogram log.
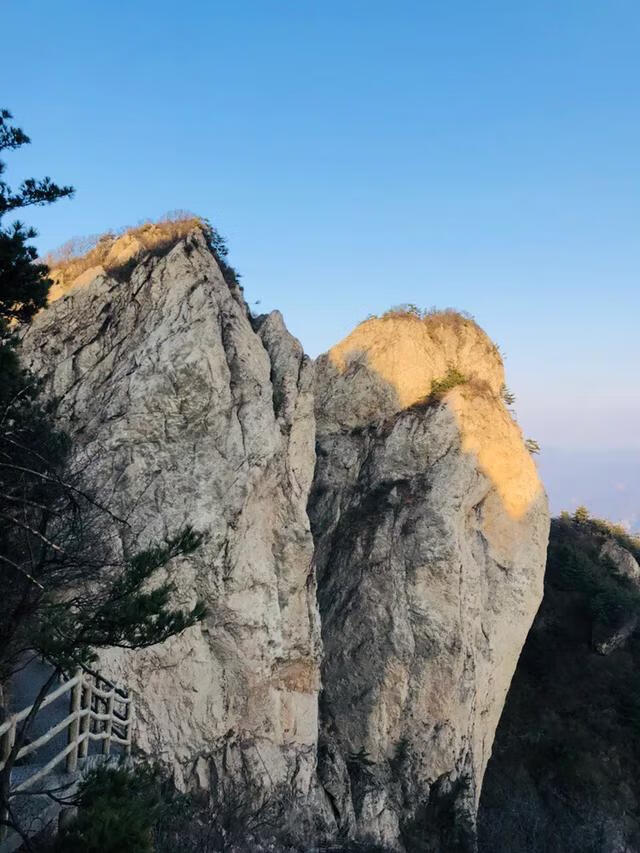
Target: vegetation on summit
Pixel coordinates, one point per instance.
(453, 377)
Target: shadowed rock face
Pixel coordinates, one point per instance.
(429, 523)
(563, 776)
(185, 414)
(607, 637)
(430, 527)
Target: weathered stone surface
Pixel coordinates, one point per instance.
(605, 636)
(430, 526)
(186, 414)
(623, 560)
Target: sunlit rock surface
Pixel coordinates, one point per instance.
(431, 527)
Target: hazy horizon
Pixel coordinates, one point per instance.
(607, 482)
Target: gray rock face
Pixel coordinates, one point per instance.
(185, 414)
(624, 563)
(606, 637)
(430, 528)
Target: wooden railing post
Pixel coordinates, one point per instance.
(106, 743)
(129, 707)
(8, 740)
(85, 721)
(6, 745)
(74, 725)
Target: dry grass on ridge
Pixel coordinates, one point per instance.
(447, 317)
(114, 249)
(435, 320)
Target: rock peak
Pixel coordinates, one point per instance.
(411, 350)
(79, 261)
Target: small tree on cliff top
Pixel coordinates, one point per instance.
(67, 587)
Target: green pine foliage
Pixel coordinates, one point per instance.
(581, 515)
(218, 246)
(508, 396)
(452, 377)
(575, 563)
(65, 592)
(128, 614)
(118, 809)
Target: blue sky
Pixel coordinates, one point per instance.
(469, 153)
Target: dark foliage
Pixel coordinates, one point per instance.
(139, 810)
(117, 811)
(444, 822)
(574, 564)
(563, 774)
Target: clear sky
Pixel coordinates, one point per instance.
(480, 154)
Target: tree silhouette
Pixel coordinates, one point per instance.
(23, 283)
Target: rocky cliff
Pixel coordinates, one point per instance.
(429, 532)
(185, 414)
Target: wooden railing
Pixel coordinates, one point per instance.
(98, 711)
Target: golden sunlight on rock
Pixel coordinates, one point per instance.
(410, 351)
(430, 528)
(490, 433)
(74, 266)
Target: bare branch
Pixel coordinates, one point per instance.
(21, 571)
(30, 529)
(59, 481)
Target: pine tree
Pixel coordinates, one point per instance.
(23, 283)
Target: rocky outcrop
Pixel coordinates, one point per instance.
(622, 560)
(609, 634)
(430, 527)
(186, 413)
